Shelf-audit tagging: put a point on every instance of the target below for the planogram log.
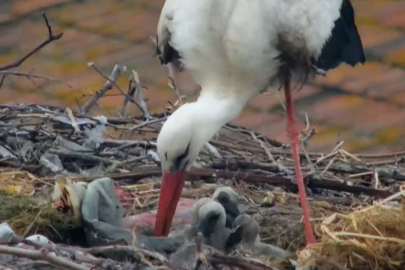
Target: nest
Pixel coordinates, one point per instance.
(26, 216)
(368, 238)
(48, 141)
(38, 143)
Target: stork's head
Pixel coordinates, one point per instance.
(179, 143)
(180, 140)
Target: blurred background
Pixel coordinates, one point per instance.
(363, 106)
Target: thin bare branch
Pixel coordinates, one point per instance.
(116, 72)
(42, 255)
(51, 37)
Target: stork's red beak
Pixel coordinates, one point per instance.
(172, 185)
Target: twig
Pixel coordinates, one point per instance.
(2, 80)
(370, 236)
(23, 74)
(73, 120)
(146, 123)
(132, 249)
(130, 93)
(172, 84)
(29, 228)
(305, 140)
(360, 168)
(42, 255)
(249, 177)
(265, 148)
(401, 193)
(139, 95)
(337, 147)
(83, 156)
(242, 263)
(116, 72)
(51, 38)
(304, 144)
(286, 182)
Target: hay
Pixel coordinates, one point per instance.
(26, 217)
(372, 237)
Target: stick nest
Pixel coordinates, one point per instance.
(368, 238)
(46, 141)
(25, 216)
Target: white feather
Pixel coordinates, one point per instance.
(230, 49)
(230, 45)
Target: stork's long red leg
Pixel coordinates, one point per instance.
(294, 138)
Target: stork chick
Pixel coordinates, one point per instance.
(251, 239)
(229, 199)
(209, 218)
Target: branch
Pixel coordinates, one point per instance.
(29, 76)
(249, 177)
(154, 121)
(130, 249)
(173, 85)
(139, 95)
(2, 80)
(51, 38)
(241, 263)
(42, 255)
(135, 92)
(286, 182)
(130, 93)
(82, 156)
(115, 73)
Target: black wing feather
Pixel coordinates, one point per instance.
(344, 44)
(169, 55)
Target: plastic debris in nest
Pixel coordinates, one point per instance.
(69, 195)
(372, 237)
(95, 135)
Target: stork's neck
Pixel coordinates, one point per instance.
(208, 114)
(219, 107)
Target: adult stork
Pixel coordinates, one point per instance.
(236, 49)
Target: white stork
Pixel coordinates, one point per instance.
(236, 49)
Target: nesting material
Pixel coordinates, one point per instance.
(372, 237)
(26, 217)
(50, 146)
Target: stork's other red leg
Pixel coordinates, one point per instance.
(293, 133)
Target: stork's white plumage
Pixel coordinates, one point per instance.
(235, 49)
